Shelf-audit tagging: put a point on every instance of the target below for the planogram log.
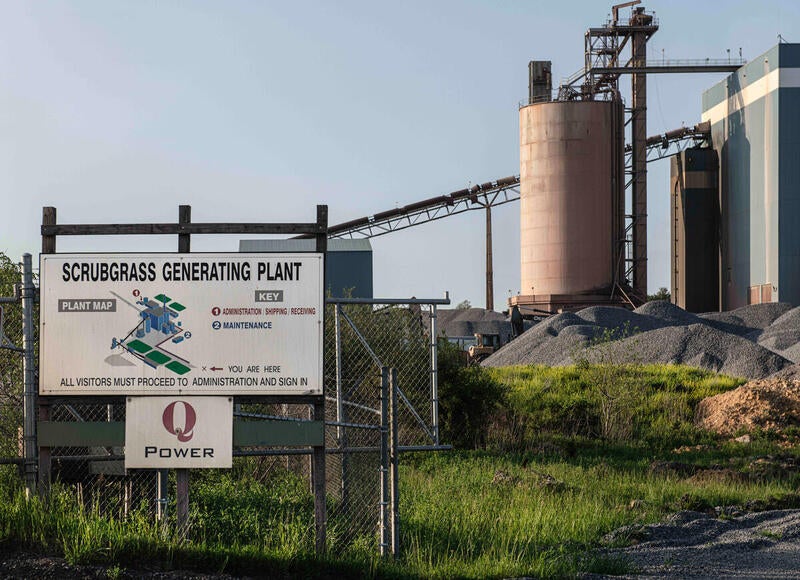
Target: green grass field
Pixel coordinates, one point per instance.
(569, 457)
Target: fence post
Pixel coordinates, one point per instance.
(182, 500)
(162, 476)
(434, 377)
(341, 433)
(384, 468)
(182, 475)
(318, 478)
(30, 386)
(394, 464)
(49, 218)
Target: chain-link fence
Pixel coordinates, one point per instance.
(98, 474)
(11, 370)
(362, 341)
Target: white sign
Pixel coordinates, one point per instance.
(205, 324)
(170, 432)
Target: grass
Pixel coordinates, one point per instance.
(557, 476)
(651, 404)
(525, 525)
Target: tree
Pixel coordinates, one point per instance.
(662, 294)
(463, 305)
(11, 375)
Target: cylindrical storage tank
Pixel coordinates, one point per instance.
(571, 197)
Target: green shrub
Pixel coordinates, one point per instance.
(468, 397)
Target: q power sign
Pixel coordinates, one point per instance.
(172, 432)
(204, 324)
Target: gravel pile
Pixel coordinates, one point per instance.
(751, 342)
(550, 340)
(698, 345)
(747, 321)
(667, 313)
(626, 321)
(783, 335)
(697, 545)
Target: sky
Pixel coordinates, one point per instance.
(257, 111)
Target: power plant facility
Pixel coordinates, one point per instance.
(754, 116)
(734, 188)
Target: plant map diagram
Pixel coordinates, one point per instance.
(156, 330)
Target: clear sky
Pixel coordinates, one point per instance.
(118, 112)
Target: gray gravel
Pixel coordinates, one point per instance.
(696, 345)
(544, 343)
(697, 545)
(748, 320)
(783, 335)
(751, 342)
(667, 313)
(614, 317)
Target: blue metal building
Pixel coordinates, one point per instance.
(348, 269)
(755, 128)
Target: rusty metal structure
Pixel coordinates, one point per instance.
(617, 48)
(479, 196)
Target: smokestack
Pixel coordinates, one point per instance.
(540, 82)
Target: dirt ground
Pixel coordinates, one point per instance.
(23, 564)
(771, 404)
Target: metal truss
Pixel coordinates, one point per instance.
(671, 143)
(485, 195)
(494, 193)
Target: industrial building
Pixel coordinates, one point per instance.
(734, 186)
(694, 229)
(348, 268)
(583, 190)
(755, 130)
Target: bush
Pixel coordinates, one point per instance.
(11, 375)
(468, 396)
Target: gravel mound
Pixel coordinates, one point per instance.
(667, 313)
(783, 335)
(613, 317)
(792, 353)
(790, 373)
(762, 315)
(698, 545)
(771, 405)
(545, 346)
(696, 345)
(751, 342)
(748, 320)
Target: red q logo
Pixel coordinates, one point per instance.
(183, 433)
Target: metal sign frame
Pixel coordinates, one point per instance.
(191, 324)
(184, 228)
